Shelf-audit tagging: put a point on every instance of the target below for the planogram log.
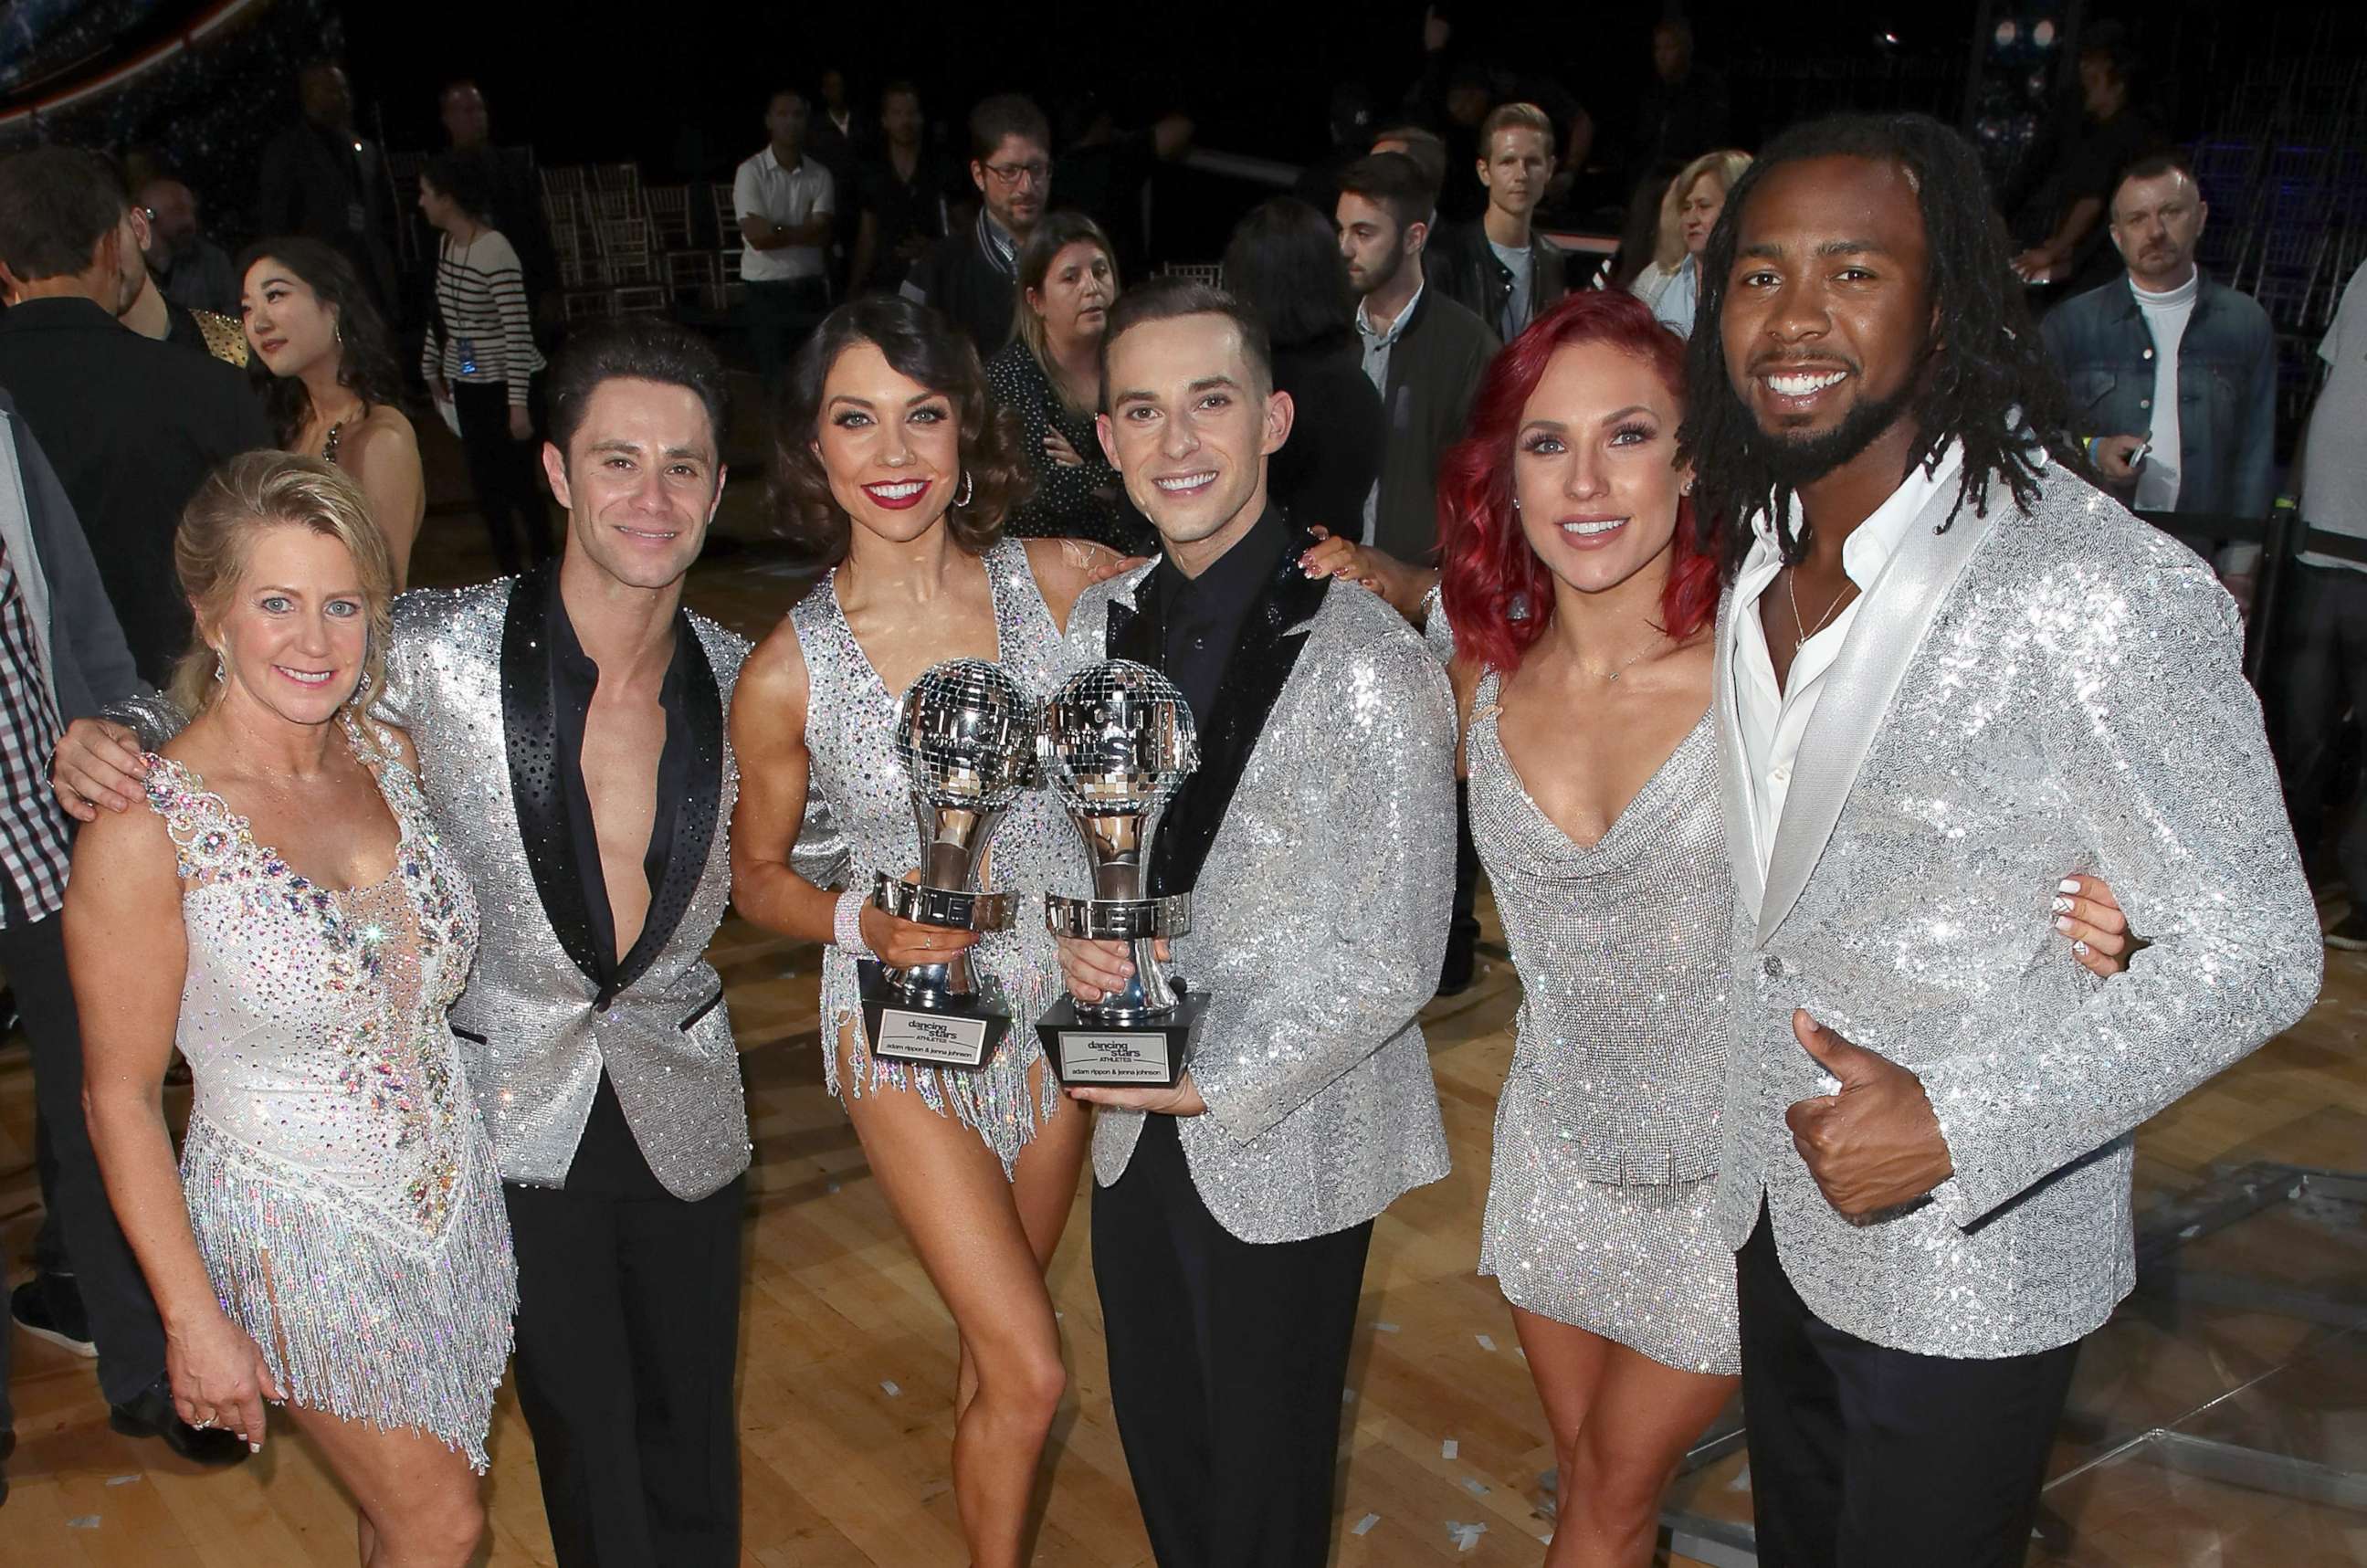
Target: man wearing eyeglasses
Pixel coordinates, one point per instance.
(972, 275)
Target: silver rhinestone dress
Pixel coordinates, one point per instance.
(850, 724)
(1599, 1208)
(340, 1182)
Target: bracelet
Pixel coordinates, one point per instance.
(846, 925)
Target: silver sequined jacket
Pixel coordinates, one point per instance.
(2021, 696)
(1319, 924)
(533, 1020)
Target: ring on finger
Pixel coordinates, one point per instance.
(2080, 949)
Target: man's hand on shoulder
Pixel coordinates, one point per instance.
(1875, 1144)
(97, 763)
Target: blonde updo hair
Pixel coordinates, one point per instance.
(264, 490)
(1727, 165)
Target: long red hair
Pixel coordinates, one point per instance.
(1499, 596)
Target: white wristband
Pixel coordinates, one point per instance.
(846, 925)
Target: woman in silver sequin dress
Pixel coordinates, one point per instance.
(1594, 804)
(894, 471)
(335, 1236)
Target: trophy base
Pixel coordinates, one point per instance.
(1147, 1054)
(961, 1032)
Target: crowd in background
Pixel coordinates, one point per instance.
(137, 354)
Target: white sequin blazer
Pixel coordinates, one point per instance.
(467, 675)
(2021, 696)
(1325, 812)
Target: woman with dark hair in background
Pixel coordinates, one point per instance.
(480, 357)
(894, 470)
(1284, 263)
(324, 364)
(1578, 603)
(1049, 374)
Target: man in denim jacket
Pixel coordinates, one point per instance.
(2173, 376)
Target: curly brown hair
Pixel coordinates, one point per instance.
(921, 343)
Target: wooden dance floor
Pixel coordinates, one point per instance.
(847, 1358)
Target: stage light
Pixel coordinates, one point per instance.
(2006, 32)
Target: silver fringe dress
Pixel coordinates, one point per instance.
(850, 720)
(1607, 1135)
(340, 1181)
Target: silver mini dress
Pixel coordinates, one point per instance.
(340, 1181)
(1599, 1205)
(850, 724)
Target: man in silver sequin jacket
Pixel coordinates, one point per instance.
(1933, 693)
(1231, 1215)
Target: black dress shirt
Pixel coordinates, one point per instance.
(608, 1159)
(903, 210)
(1200, 618)
(132, 427)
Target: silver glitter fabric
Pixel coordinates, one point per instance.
(1599, 1201)
(537, 1045)
(1318, 922)
(2021, 695)
(340, 1183)
(850, 724)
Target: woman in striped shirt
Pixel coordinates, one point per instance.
(480, 355)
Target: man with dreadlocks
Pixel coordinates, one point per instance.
(1947, 667)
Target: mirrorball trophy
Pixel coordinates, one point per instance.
(1118, 743)
(966, 736)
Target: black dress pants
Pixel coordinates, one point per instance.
(1866, 1457)
(505, 472)
(1227, 1363)
(627, 1333)
(78, 1229)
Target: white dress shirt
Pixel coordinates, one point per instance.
(1770, 720)
(788, 197)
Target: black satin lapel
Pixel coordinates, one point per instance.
(530, 731)
(1272, 634)
(694, 833)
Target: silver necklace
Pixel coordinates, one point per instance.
(1638, 653)
(1798, 620)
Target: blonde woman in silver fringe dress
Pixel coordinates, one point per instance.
(334, 1237)
(1580, 651)
(895, 470)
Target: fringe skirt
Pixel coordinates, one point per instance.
(356, 1315)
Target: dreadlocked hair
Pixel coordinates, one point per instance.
(1988, 384)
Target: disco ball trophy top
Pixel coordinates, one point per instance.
(1118, 743)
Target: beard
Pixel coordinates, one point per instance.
(1796, 460)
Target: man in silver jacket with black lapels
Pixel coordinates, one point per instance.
(1948, 666)
(572, 746)
(1233, 1213)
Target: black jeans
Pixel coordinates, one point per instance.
(778, 316)
(628, 1335)
(2325, 674)
(78, 1229)
(505, 472)
(1866, 1457)
(1227, 1359)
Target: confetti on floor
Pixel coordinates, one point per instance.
(1449, 1448)
(830, 1187)
(1387, 1327)
(1478, 1488)
(82, 1522)
(1347, 1396)
(1465, 1537)
(121, 1480)
(1741, 1481)
(1364, 1525)
(1485, 1342)
(890, 1389)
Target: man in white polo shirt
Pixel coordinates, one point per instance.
(784, 200)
